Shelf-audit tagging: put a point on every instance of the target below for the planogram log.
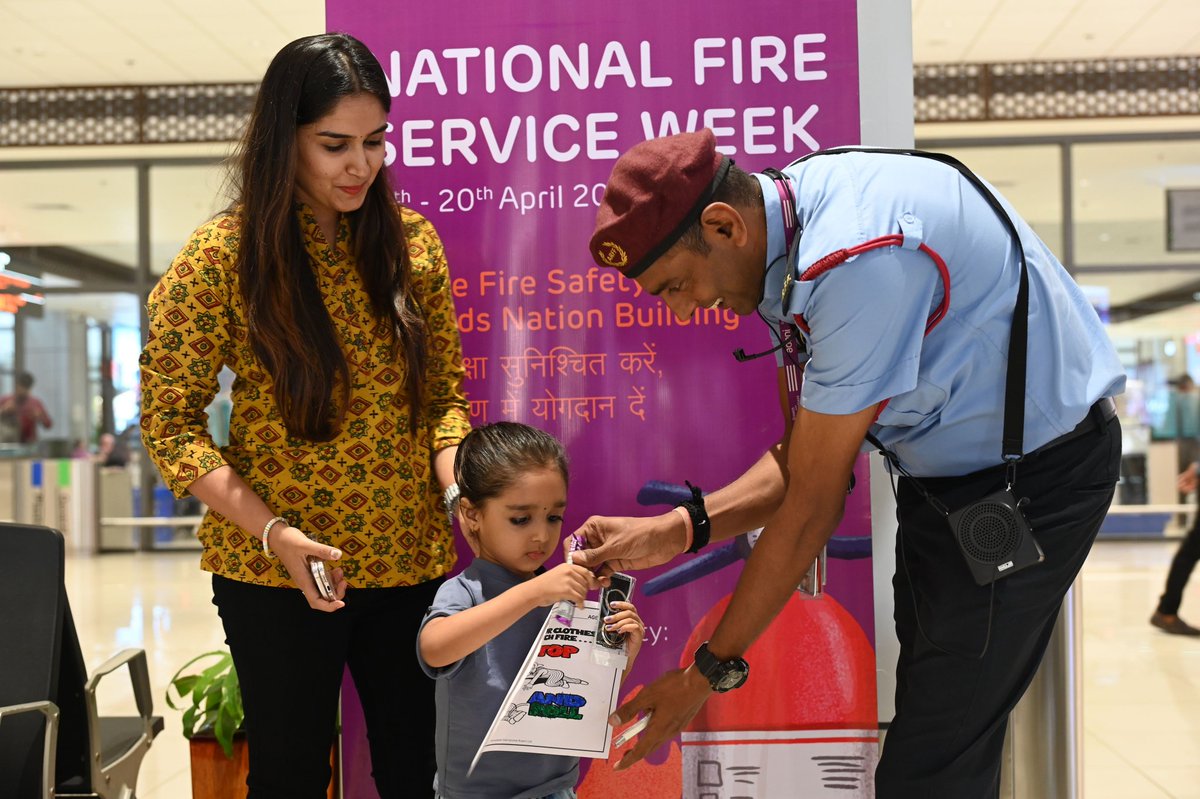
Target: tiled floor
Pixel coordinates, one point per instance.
(1141, 687)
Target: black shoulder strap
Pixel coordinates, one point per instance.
(1018, 339)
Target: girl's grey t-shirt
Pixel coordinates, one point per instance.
(469, 693)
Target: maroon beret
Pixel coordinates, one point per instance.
(656, 191)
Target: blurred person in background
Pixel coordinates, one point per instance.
(113, 450)
(21, 412)
(1181, 421)
(1166, 615)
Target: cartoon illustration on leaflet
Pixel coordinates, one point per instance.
(539, 676)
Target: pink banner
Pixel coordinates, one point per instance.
(506, 121)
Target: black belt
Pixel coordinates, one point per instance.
(1100, 414)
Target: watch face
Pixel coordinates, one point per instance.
(735, 673)
(721, 675)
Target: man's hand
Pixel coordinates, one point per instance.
(1187, 480)
(624, 543)
(673, 700)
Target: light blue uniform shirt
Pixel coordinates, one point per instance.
(867, 316)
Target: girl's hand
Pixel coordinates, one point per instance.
(563, 582)
(626, 620)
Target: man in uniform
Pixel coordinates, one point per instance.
(894, 281)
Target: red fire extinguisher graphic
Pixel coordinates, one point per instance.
(805, 724)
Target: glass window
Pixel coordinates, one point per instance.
(70, 227)
(1120, 201)
(1119, 205)
(62, 348)
(184, 197)
(1029, 177)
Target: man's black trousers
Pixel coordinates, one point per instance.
(951, 706)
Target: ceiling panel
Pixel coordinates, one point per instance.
(1172, 27)
(31, 38)
(943, 30)
(117, 42)
(79, 42)
(1016, 29)
(1019, 30)
(1093, 29)
(152, 33)
(86, 42)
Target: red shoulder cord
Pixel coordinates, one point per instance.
(839, 257)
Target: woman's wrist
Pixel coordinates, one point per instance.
(273, 524)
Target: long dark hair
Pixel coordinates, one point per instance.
(289, 326)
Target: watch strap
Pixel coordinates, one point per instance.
(706, 662)
(715, 670)
(701, 525)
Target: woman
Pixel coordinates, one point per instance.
(332, 307)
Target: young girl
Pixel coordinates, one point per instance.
(475, 637)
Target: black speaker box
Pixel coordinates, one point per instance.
(995, 538)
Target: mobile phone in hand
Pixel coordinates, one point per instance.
(321, 578)
(620, 589)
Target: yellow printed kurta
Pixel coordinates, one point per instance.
(370, 491)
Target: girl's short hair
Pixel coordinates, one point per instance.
(493, 457)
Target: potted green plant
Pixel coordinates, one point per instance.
(206, 690)
(210, 699)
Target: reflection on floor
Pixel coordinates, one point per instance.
(1141, 686)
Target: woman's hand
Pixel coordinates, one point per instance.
(293, 548)
(564, 581)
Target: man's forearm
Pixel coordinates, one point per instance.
(823, 449)
(778, 563)
(749, 501)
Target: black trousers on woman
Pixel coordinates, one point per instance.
(290, 660)
(952, 704)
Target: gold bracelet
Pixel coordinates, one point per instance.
(267, 531)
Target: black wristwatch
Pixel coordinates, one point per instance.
(722, 675)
